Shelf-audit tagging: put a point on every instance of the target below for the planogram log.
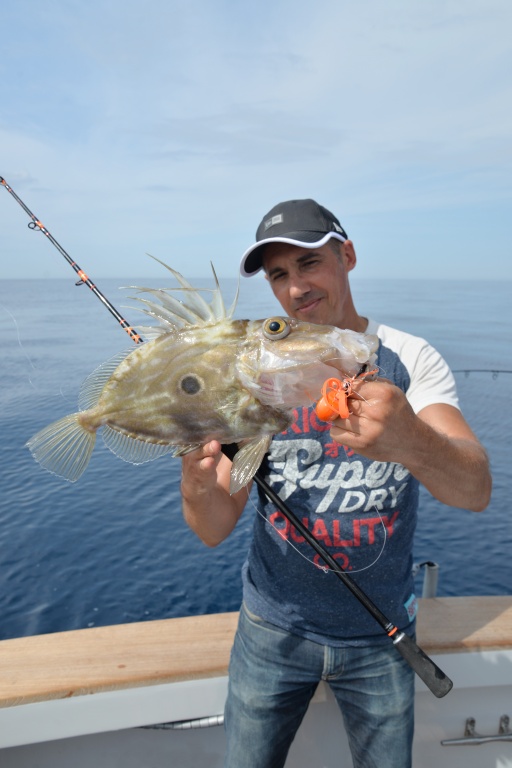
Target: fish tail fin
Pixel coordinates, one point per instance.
(63, 447)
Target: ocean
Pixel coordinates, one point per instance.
(113, 548)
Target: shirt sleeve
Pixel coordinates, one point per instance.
(431, 380)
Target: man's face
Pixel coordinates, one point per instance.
(311, 284)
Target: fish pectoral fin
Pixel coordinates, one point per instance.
(63, 447)
(247, 461)
(132, 449)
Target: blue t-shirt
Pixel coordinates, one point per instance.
(362, 511)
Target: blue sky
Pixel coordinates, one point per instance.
(172, 126)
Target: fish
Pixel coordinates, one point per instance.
(199, 375)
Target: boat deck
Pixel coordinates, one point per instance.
(69, 664)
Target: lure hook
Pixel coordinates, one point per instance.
(335, 394)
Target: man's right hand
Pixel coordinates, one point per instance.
(208, 508)
(199, 469)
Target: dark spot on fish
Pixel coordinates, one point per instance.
(190, 384)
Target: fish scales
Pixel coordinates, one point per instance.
(203, 376)
(153, 393)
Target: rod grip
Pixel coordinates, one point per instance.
(433, 677)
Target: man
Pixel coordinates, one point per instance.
(355, 483)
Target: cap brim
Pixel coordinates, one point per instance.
(252, 263)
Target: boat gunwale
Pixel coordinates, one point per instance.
(99, 659)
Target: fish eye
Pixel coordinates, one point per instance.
(191, 384)
(276, 328)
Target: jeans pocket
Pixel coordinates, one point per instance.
(256, 621)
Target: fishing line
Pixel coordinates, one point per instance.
(364, 490)
(326, 568)
(433, 677)
(494, 371)
(19, 340)
(65, 397)
(323, 568)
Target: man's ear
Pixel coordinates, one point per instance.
(349, 255)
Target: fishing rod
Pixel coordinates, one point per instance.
(433, 677)
(38, 226)
(426, 669)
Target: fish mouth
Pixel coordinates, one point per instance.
(359, 361)
(335, 361)
(338, 364)
(366, 368)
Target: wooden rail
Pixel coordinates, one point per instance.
(87, 661)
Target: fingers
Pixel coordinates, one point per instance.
(342, 429)
(360, 427)
(209, 455)
(199, 468)
(379, 423)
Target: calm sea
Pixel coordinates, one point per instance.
(113, 548)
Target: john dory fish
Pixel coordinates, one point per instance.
(201, 376)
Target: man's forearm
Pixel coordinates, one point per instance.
(212, 516)
(454, 470)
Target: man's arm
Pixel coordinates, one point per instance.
(208, 507)
(436, 445)
(454, 467)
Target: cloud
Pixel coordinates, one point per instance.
(182, 117)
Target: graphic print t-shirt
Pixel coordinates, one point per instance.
(362, 511)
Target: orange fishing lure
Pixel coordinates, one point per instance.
(335, 394)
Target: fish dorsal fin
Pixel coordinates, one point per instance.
(131, 449)
(93, 385)
(247, 461)
(192, 310)
(171, 311)
(151, 332)
(217, 305)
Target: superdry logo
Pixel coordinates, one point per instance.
(348, 486)
(362, 533)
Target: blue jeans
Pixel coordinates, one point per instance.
(273, 676)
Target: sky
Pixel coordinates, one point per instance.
(171, 127)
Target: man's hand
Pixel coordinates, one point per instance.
(436, 445)
(199, 469)
(208, 507)
(380, 423)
